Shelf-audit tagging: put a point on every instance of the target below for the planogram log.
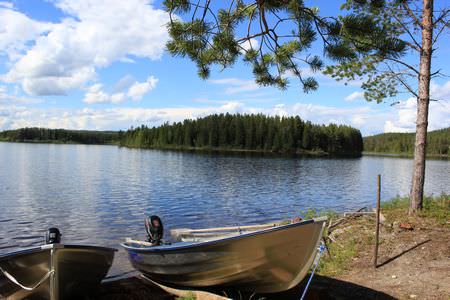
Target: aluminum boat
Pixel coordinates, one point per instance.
(259, 259)
(53, 271)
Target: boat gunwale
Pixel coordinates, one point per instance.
(54, 246)
(164, 248)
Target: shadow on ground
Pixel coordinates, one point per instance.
(131, 288)
(403, 253)
(321, 288)
(330, 288)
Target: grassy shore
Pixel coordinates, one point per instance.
(413, 250)
(356, 235)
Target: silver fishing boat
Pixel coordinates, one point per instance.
(53, 271)
(264, 258)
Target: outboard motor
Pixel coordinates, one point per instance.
(53, 236)
(155, 230)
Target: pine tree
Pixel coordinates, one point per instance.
(403, 26)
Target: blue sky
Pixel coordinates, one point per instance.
(102, 65)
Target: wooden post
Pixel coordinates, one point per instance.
(377, 232)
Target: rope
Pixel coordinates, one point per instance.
(316, 263)
(14, 280)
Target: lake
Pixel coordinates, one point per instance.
(101, 194)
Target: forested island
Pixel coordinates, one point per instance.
(230, 132)
(438, 143)
(249, 132)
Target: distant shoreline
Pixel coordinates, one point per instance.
(404, 155)
(234, 150)
(54, 142)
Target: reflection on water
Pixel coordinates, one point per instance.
(100, 194)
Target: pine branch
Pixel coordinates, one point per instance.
(403, 63)
(441, 30)
(412, 15)
(416, 45)
(399, 78)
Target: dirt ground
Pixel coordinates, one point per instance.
(412, 264)
(413, 259)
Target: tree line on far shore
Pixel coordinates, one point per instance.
(44, 135)
(438, 143)
(243, 132)
(254, 132)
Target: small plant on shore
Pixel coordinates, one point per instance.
(314, 213)
(436, 208)
(339, 261)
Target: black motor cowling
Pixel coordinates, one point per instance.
(53, 236)
(155, 229)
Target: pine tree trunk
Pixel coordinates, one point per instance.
(422, 109)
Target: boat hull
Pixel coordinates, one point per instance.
(265, 261)
(54, 271)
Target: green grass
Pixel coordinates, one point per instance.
(341, 253)
(314, 213)
(341, 256)
(436, 208)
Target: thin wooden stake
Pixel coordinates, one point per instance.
(377, 232)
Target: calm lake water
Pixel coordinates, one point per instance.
(101, 194)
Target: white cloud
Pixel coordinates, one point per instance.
(123, 84)
(139, 89)
(354, 96)
(390, 126)
(57, 85)
(16, 29)
(101, 119)
(367, 119)
(93, 35)
(236, 85)
(247, 99)
(439, 111)
(232, 107)
(6, 4)
(118, 97)
(136, 91)
(96, 95)
(249, 44)
(405, 118)
(440, 92)
(322, 79)
(14, 98)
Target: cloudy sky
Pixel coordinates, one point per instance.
(101, 64)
